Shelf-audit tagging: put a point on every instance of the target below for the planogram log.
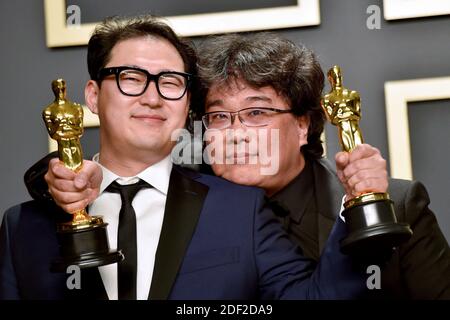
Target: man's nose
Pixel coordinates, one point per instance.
(236, 132)
(151, 96)
(235, 121)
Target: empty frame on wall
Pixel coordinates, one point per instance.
(405, 9)
(302, 13)
(398, 94)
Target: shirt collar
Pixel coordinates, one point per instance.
(157, 175)
(296, 195)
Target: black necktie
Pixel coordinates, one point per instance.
(126, 239)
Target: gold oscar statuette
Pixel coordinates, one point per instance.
(83, 240)
(370, 217)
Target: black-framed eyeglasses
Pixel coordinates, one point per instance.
(132, 81)
(250, 117)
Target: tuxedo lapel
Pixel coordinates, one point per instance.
(184, 203)
(329, 193)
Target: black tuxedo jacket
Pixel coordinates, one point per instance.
(218, 241)
(418, 269)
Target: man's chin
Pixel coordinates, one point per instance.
(153, 146)
(243, 174)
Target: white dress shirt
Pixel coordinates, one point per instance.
(149, 206)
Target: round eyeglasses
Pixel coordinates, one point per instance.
(250, 117)
(131, 81)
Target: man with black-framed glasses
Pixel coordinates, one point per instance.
(133, 82)
(185, 235)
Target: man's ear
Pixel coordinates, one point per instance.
(302, 129)
(188, 94)
(91, 92)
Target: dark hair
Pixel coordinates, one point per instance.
(265, 59)
(115, 29)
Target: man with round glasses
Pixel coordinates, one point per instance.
(259, 71)
(250, 117)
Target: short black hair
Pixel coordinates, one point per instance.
(115, 29)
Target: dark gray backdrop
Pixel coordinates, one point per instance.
(403, 49)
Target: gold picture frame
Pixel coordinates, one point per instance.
(398, 94)
(304, 13)
(405, 9)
